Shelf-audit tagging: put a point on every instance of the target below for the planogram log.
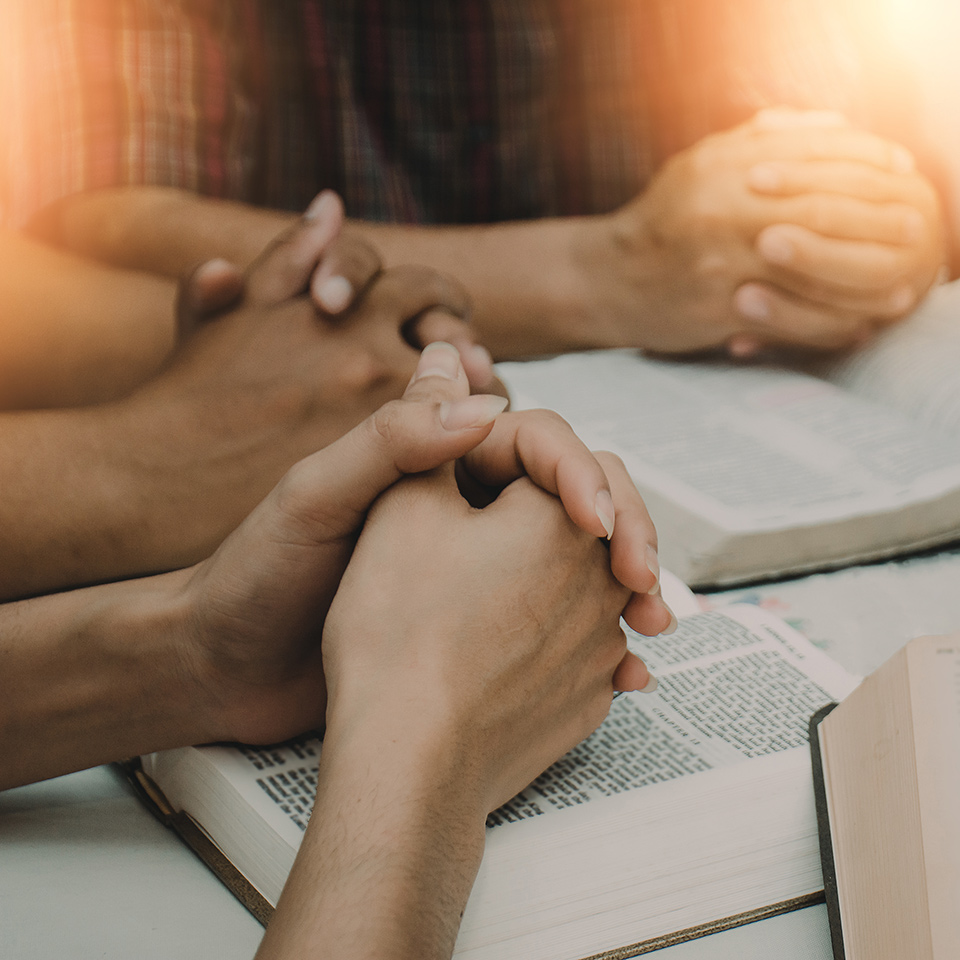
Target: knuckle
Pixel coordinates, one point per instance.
(414, 288)
(389, 424)
(598, 710)
(714, 267)
(449, 293)
(818, 213)
(357, 257)
(358, 370)
(273, 278)
(416, 275)
(294, 484)
(309, 517)
(543, 419)
(886, 266)
(607, 458)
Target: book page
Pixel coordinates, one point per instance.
(734, 685)
(677, 595)
(748, 447)
(913, 366)
(279, 782)
(861, 616)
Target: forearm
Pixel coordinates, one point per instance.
(526, 280)
(92, 676)
(161, 230)
(530, 282)
(387, 862)
(76, 332)
(117, 490)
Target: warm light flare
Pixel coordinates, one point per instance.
(928, 35)
(923, 29)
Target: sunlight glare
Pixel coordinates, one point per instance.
(923, 28)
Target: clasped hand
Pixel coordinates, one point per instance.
(794, 229)
(472, 595)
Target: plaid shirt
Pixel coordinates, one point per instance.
(414, 110)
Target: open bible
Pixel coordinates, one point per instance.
(887, 769)
(751, 471)
(687, 811)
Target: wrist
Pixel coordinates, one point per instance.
(617, 258)
(185, 473)
(99, 674)
(117, 514)
(529, 292)
(388, 860)
(429, 749)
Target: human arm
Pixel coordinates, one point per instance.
(157, 479)
(435, 721)
(229, 648)
(690, 264)
(75, 331)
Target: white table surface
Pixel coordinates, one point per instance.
(86, 873)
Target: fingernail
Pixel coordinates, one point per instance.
(653, 564)
(474, 412)
(438, 359)
(605, 511)
(672, 625)
(774, 246)
(334, 294)
(913, 226)
(651, 686)
(215, 265)
(902, 299)
(765, 176)
(752, 303)
(322, 206)
(743, 347)
(902, 160)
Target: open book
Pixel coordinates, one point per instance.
(751, 472)
(887, 762)
(688, 810)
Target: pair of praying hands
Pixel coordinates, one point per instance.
(368, 575)
(795, 229)
(366, 584)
